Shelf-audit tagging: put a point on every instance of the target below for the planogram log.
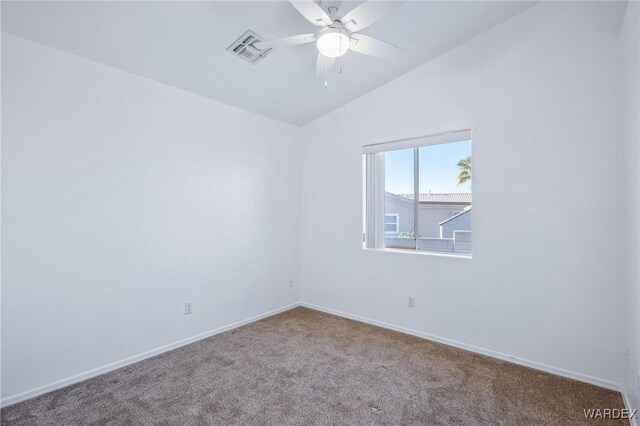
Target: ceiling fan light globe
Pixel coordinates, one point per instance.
(333, 44)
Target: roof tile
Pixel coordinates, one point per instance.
(461, 197)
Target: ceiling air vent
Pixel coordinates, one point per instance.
(244, 49)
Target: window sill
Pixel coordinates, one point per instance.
(421, 252)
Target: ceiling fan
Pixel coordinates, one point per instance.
(337, 35)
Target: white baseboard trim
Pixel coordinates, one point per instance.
(627, 404)
(494, 354)
(14, 399)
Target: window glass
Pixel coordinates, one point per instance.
(445, 193)
(399, 194)
(424, 188)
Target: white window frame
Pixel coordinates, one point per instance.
(397, 216)
(374, 214)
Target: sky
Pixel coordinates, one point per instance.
(438, 170)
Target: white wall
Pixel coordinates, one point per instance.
(122, 199)
(629, 93)
(539, 92)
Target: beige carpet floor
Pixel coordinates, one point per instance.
(307, 367)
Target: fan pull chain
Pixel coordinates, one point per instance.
(326, 73)
(340, 59)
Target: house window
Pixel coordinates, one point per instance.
(425, 181)
(391, 222)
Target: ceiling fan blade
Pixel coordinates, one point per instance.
(368, 13)
(371, 46)
(286, 41)
(312, 12)
(324, 65)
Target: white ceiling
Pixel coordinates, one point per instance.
(183, 44)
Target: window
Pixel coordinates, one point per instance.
(418, 194)
(391, 223)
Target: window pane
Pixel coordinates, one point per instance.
(399, 198)
(445, 197)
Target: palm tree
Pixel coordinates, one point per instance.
(465, 170)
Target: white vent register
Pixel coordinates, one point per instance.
(244, 48)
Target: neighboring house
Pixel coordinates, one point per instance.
(434, 210)
(459, 222)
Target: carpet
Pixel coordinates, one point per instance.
(308, 367)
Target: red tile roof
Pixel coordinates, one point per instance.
(441, 198)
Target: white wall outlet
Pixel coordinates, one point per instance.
(188, 308)
(290, 283)
(411, 301)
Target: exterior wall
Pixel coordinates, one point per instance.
(462, 241)
(404, 210)
(460, 223)
(430, 215)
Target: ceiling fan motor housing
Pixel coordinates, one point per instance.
(336, 35)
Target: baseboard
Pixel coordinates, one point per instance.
(14, 399)
(494, 354)
(627, 404)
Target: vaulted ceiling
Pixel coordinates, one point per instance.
(184, 44)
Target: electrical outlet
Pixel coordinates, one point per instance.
(290, 283)
(411, 301)
(188, 308)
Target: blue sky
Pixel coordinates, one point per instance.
(438, 170)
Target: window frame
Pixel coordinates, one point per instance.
(397, 223)
(373, 181)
